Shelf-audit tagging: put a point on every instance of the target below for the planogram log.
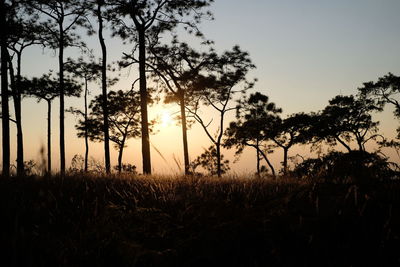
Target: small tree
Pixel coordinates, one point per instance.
(208, 161)
(88, 71)
(217, 90)
(46, 88)
(256, 117)
(293, 130)
(124, 118)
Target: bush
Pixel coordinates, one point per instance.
(353, 166)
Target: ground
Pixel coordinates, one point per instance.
(171, 221)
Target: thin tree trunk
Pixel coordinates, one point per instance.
(4, 92)
(13, 86)
(18, 118)
(184, 132)
(62, 128)
(258, 159)
(219, 170)
(120, 152)
(266, 159)
(143, 103)
(48, 136)
(104, 89)
(285, 156)
(86, 128)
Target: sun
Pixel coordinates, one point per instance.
(166, 119)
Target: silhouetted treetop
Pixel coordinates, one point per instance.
(47, 87)
(347, 118)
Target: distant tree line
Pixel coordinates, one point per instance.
(194, 79)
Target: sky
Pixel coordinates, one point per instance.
(306, 52)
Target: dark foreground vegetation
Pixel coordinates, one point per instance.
(156, 221)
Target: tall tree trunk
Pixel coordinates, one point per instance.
(143, 103)
(258, 159)
(62, 128)
(18, 118)
(4, 92)
(184, 131)
(219, 169)
(86, 129)
(48, 136)
(104, 89)
(285, 156)
(120, 152)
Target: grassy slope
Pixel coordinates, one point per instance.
(175, 222)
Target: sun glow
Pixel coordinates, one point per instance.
(166, 119)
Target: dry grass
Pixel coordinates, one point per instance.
(177, 221)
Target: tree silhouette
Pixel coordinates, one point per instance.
(256, 117)
(347, 119)
(63, 17)
(216, 91)
(150, 19)
(208, 161)
(176, 68)
(100, 10)
(124, 118)
(88, 71)
(386, 91)
(47, 88)
(7, 12)
(288, 132)
(26, 32)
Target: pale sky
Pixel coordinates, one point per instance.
(306, 52)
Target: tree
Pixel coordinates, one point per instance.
(217, 89)
(150, 19)
(347, 119)
(26, 32)
(295, 129)
(99, 9)
(208, 160)
(88, 71)
(256, 118)
(176, 68)
(63, 17)
(46, 88)
(7, 13)
(386, 90)
(124, 112)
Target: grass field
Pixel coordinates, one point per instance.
(161, 221)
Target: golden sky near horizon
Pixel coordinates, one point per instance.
(306, 52)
